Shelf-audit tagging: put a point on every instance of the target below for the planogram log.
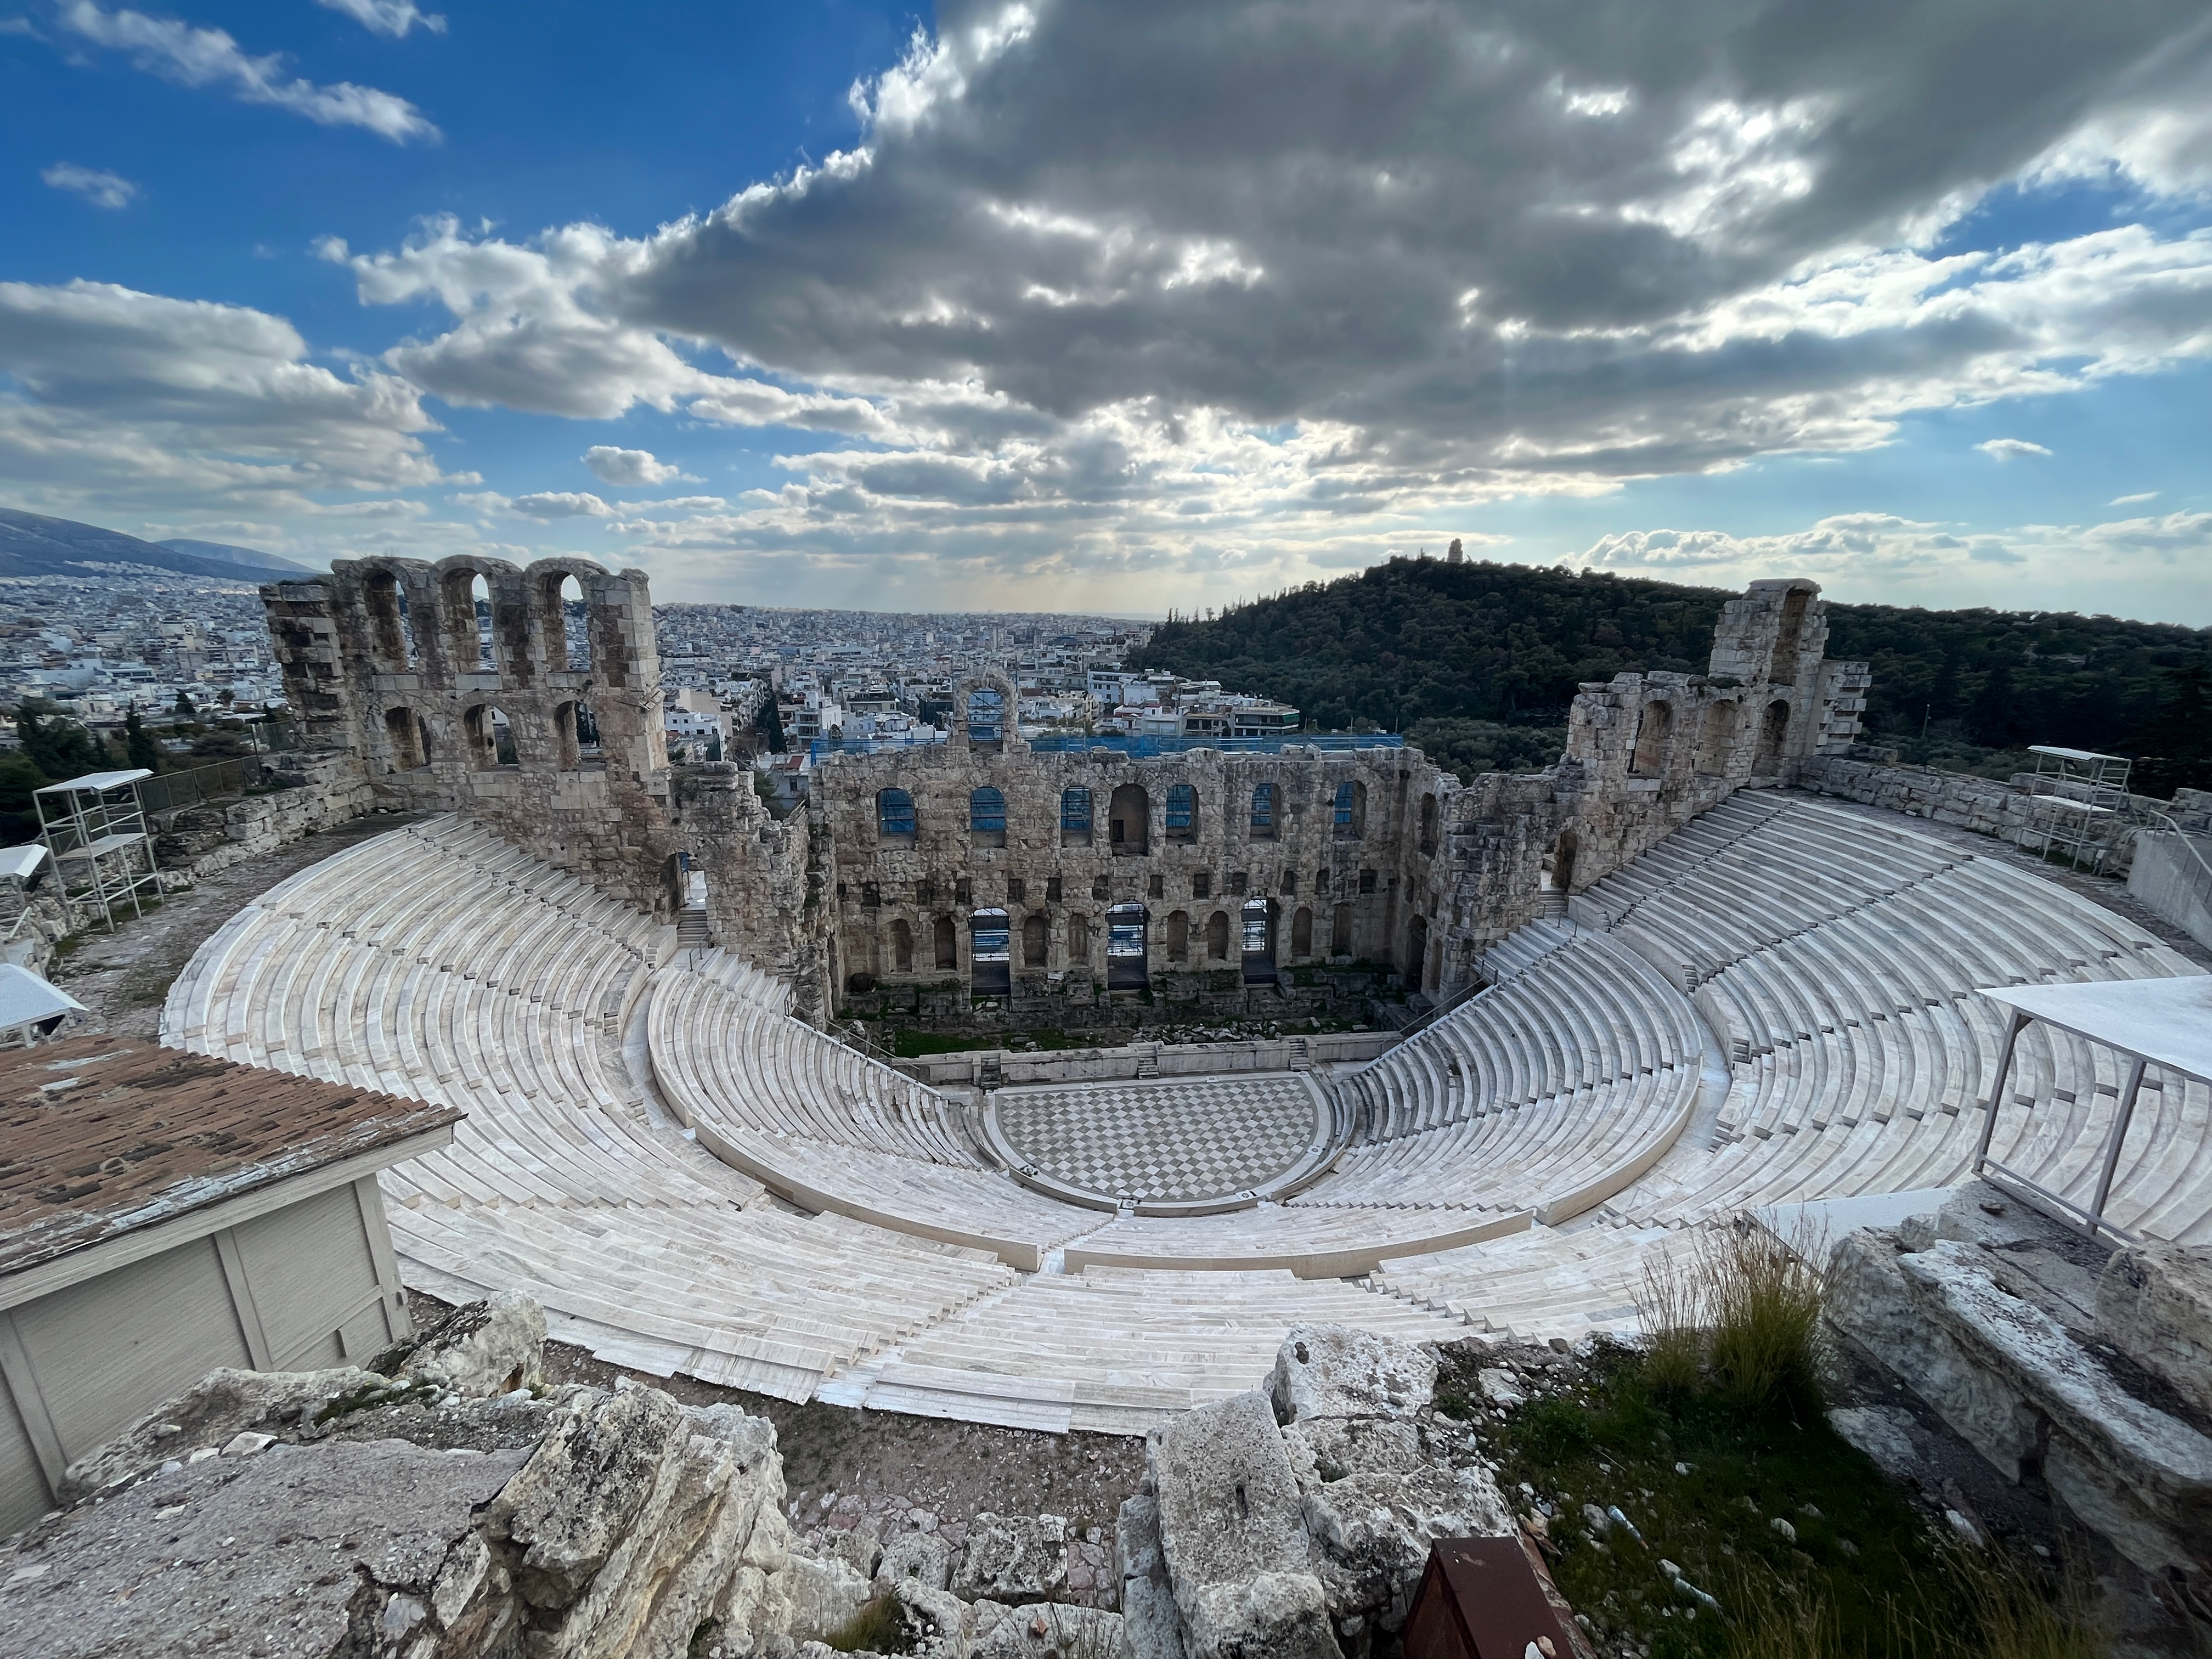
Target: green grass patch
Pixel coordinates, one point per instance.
(910, 1044)
(1752, 1528)
(878, 1627)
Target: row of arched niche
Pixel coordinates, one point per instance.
(1717, 739)
(1246, 936)
(1129, 817)
(462, 620)
(490, 742)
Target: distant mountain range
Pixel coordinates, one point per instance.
(32, 544)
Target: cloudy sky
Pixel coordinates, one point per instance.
(1123, 305)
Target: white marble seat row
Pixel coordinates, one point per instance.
(1835, 958)
(755, 1299)
(1549, 1090)
(1539, 1284)
(1118, 1351)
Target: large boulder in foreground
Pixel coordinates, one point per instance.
(365, 1522)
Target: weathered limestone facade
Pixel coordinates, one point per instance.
(1412, 870)
(561, 747)
(1204, 883)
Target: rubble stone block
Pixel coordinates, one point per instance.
(2154, 1305)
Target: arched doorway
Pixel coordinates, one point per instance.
(1652, 736)
(1129, 820)
(1558, 872)
(990, 968)
(1126, 946)
(1258, 921)
(1036, 939)
(1717, 740)
(1301, 934)
(1340, 931)
(945, 944)
(491, 737)
(901, 946)
(986, 816)
(410, 735)
(985, 715)
(1773, 740)
(1417, 952)
(1178, 939)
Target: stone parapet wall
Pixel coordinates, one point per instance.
(313, 793)
(1180, 1060)
(2005, 809)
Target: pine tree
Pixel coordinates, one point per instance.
(769, 722)
(138, 744)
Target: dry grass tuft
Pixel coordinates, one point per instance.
(1741, 1308)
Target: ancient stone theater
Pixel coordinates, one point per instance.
(1678, 976)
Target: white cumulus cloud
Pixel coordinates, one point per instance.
(126, 398)
(96, 185)
(631, 466)
(194, 56)
(2009, 449)
(560, 504)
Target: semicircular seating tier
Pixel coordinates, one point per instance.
(1836, 954)
(439, 961)
(1551, 1090)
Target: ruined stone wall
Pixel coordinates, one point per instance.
(1430, 873)
(1325, 885)
(381, 659)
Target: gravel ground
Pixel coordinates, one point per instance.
(122, 977)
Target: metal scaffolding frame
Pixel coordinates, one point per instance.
(94, 827)
(2077, 804)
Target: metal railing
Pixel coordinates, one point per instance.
(165, 790)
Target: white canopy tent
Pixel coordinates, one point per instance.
(2167, 1023)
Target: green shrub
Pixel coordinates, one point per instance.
(1763, 1295)
(878, 1627)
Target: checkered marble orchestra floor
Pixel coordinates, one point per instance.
(1171, 1138)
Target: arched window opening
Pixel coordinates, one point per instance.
(1126, 949)
(1178, 945)
(1350, 810)
(901, 946)
(1258, 918)
(576, 737)
(1788, 636)
(990, 971)
(987, 714)
(1717, 740)
(1557, 872)
(1301, 934)
(947, 951)
(491, 737)
(1036, 940)
(1078, 941)
(1340, 931)
(1431, 824)
(1263, 811)
(410, 736)
(1075, 818)
(894, 815)
(986, 817)
(573, 648)
(1773, 740)
(1182, 823)
(1217, 937)
(465, 607)
(1129, 820)
(1652, 735)
(1416, 951)
(393, 631)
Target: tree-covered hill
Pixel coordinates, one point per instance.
(1478, 663)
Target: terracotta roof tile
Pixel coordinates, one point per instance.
(99, 1136)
